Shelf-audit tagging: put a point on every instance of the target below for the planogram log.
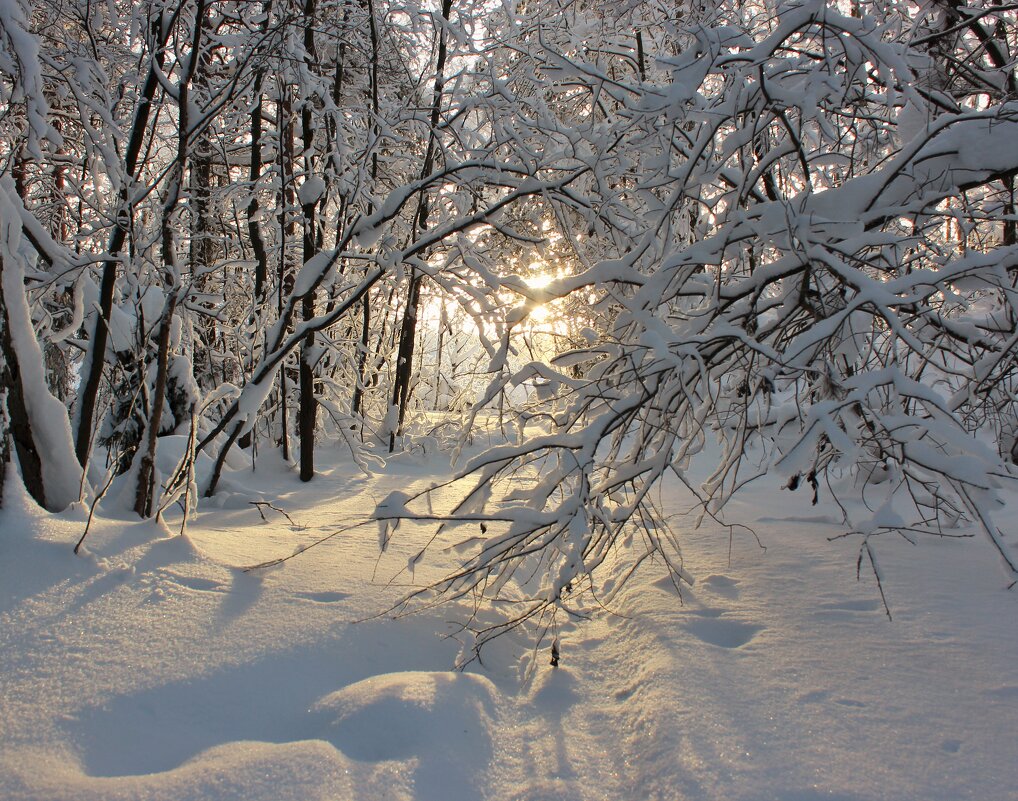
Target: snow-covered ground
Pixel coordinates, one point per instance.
(153, 667)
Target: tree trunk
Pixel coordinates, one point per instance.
(17, 414)
(95, 358)
(402, 384)
(357, 403)
(254, 173)
(253, 228)
(204, 248)
(145, 494)
(5, 422)
(308, 405)
(362, 357)
(145, 488)
(38, 421)
(284, 277)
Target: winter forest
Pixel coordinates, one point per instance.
(581, 345)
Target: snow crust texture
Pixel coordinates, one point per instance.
(155, 668)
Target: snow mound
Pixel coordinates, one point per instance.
(400, 715)
(301, 771)
(443, 720)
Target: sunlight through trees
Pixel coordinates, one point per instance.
(779, 236)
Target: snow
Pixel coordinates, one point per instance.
(787, 243)
(19, 53)
(155, 667)
(51, 429)
(311, 272)
(251, 399)
(311, 190)
(77, 315)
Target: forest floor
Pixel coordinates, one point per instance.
(154, 667)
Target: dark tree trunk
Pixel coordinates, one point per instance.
(253, 228)
(1010, 223)
(96, 356)
(402, 384)
(146, 474)
(17, 413)
(362, 353)
(307, 411)
(405, 356)
(5, 442)
(204, 246)
(287, 230)
(254, 173)
(145, 487)
(362, 357)
(308, 407)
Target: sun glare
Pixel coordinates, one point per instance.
(539, 280)
(540, 314)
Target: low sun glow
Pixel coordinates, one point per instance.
(539, 280)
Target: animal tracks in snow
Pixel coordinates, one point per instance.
(197, 583)
(722, 632)
(1004, 692)
(325, 597)
(848, 609)
(162, 584)
(711, 624)
(724, 586)
(824, 696)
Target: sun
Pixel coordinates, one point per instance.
(539, 280)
